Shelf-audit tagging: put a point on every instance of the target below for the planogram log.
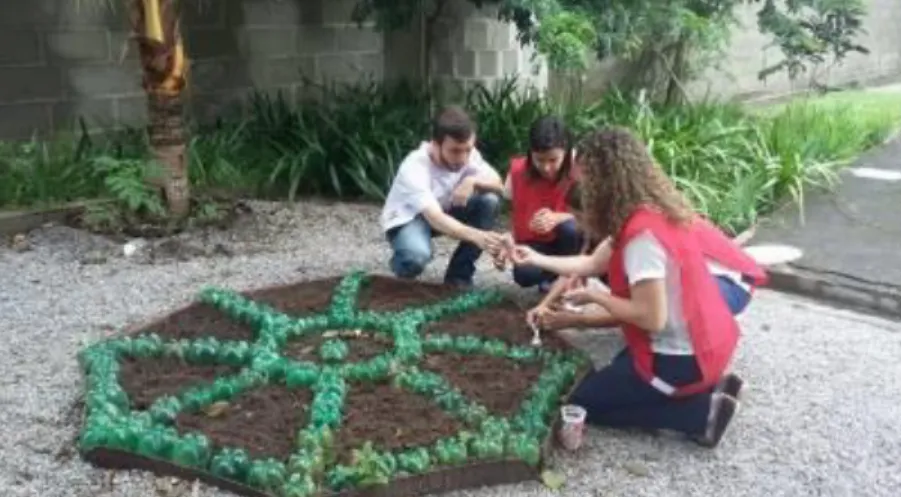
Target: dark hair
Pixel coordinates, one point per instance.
(546, 133)
(453, 122)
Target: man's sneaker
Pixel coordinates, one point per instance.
(731, 385)
(723, 409)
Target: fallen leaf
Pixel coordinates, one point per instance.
(553, 480)
(637, 469)
(216, 409)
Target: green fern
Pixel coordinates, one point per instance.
(126, 183)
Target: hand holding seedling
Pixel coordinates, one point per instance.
(522, 255)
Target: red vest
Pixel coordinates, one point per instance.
(531, 194)
(711, 325)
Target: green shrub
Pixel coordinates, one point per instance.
(347, 141)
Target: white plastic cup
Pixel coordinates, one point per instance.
(573, 426)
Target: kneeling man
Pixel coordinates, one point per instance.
(443, 187)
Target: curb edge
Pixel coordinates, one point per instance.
(22, 221)
(789, 279)
(859, 297)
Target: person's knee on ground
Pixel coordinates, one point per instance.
(482, 209)
(568, 237)
(527, 276)
(409, 263)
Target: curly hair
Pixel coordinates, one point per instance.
(619, 175)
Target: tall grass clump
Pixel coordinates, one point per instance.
(347, 141)
(343, 141)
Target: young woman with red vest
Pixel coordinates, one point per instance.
(537, 185)
(676, 282)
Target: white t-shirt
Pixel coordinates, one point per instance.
(420, 183)
(645, 259)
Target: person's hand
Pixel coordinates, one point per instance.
(504, 252)
(573, 282)
(463, 191)
(581, 296)
(500, 259)
(554, 320)
(533, 315)
(490, 242)
(522, 255)
(544, 221)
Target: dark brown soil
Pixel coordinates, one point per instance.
(383, 293)
(121, 224)
(499, 384)
(505, 321)
(391, 419)
(361, 348)
(300, 298)
(197, 321)
(264, 422)
(146, 380)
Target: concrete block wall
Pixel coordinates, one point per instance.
(63, 59)
(472, 46)
(749, 52)
(60, 60)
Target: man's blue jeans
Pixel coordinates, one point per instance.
(567, 241)
(411, 243)
(616, 396)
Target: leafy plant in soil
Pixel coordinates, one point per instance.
(137, 208)
(321, 420)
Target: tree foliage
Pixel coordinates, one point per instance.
(676, 36)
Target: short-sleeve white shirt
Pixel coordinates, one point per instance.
(646, 259)
(420, 183)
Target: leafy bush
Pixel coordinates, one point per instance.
(734, 163)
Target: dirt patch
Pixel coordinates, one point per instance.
(200, 320)
(383, 293)
(146, 380)
(307, 297)
(499, 384)
(119, 223)
(505, 321)
(391, 419)
(264, 422)
(362, 347)
(197, 321)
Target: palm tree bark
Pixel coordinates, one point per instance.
(157, 29)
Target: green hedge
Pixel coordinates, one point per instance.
(733, 163)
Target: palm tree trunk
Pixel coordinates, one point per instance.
(157, 28)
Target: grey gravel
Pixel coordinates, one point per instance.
(820, 415)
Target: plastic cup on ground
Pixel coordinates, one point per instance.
(572, 427)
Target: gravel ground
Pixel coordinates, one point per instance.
(820, 415)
